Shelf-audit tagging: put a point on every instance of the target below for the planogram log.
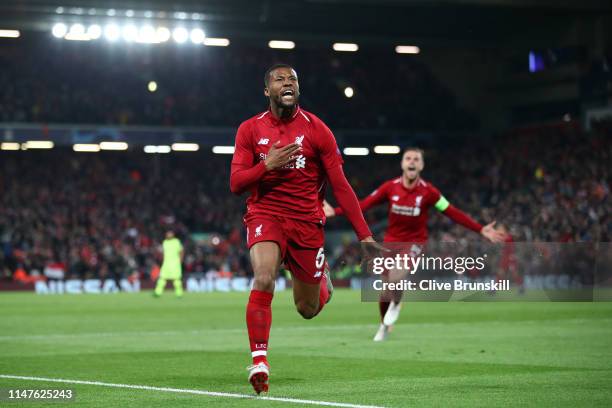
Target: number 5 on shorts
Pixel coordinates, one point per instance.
(320, 259)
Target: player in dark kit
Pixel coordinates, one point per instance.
(284, 157)
(409, 198)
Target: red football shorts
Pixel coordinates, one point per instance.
(301, 243)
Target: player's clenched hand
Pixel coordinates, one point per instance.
(278, 157)
(493, 235)
(328, 209)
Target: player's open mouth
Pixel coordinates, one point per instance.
(411, 168)
(288, 92)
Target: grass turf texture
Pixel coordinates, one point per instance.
(440, 354)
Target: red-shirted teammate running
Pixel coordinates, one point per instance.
(284, 156)
(409, 198)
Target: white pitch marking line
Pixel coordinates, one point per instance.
(187, 391)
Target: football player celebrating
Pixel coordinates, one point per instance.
(409, 198)
(284, 158)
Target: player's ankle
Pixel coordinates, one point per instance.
(260, 359)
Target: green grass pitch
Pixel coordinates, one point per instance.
(439, 355)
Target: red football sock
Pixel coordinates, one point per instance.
(259, 320)
(383, 307)
(323, 293)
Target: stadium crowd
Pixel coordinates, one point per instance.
(49, 81)
(104, 215)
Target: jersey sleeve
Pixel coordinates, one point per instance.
(375, 198)
(441, 204)
(243, 173)
(436, 199)
(328, 148)
(243, 148)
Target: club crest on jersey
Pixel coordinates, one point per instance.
(417, 202)
(263, 141)
(299, 139)
(258, 230)
(395, 198)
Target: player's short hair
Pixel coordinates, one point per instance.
(272, 68)
(414, 149)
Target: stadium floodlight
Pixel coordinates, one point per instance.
(148, 35)
(386, 149)
(282, 45)
(59, 10)
(77, 33)
(94, 31)
(86, 147)
(356, 151)
(152, 86)
(407, 49)
(59, 30)
(77, 29)
(76, 37)
(216, 42)
(112, 32)
(129, 13)
(148, 14)
(197, 36)
(223, 149)
(349, 92)
(10, 146)
(39, 144)
(157, 149)
(185, 147)
(180, 35)
(10, 33)
(346, 47)
(111, 12)
(129, 33)
(163, 34)
(113, 146)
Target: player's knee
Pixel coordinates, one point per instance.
(307, 310)
(264, 282)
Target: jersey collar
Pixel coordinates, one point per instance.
(418, 182)
(276, 121)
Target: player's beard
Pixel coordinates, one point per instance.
(289, 106)
(286, 108)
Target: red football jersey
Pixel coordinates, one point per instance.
(408, 208)
(297, 189)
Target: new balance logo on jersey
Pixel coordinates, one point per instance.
(299, 139)
(258, 230)
(263, 141)
(395, 198)
(300, 161)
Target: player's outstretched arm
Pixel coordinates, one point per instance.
(461, 218)
(375, 198)
(348, 202)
